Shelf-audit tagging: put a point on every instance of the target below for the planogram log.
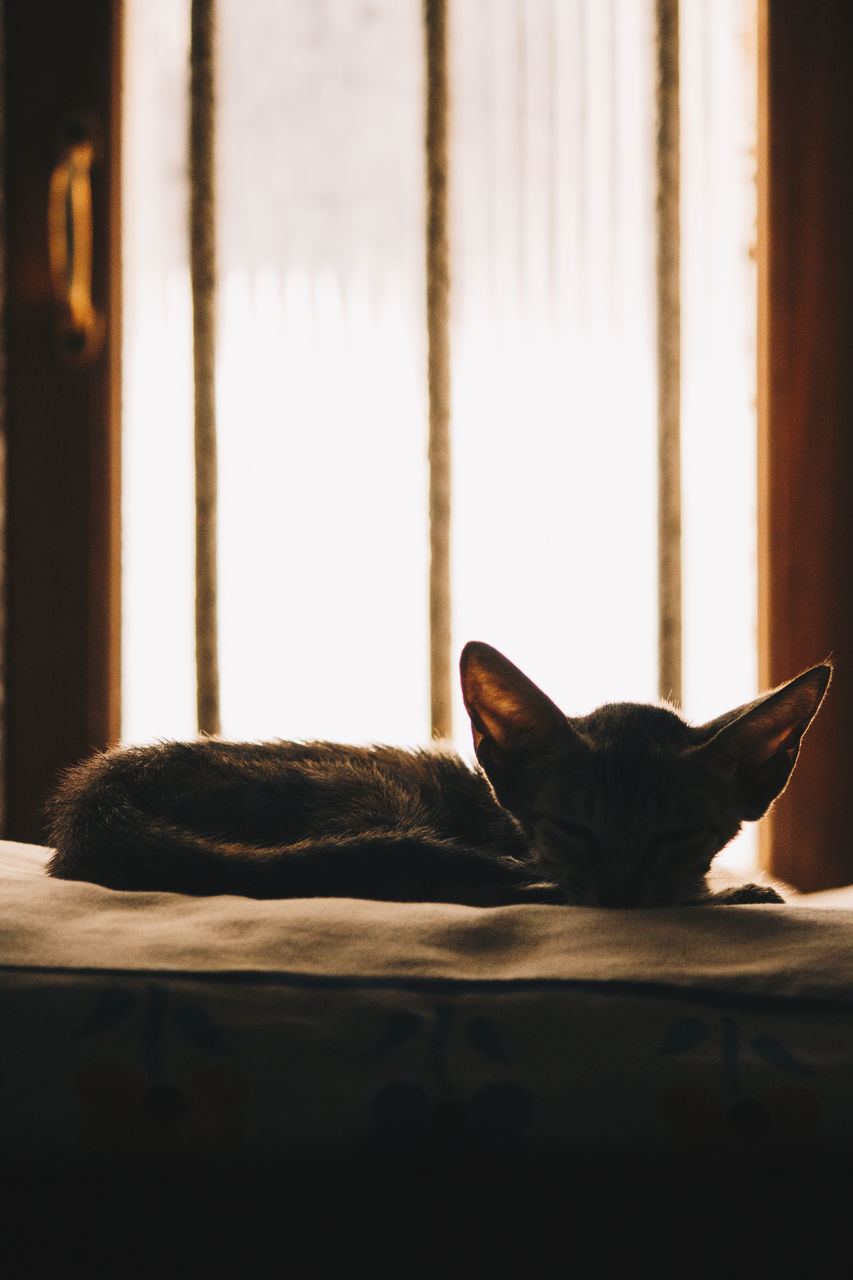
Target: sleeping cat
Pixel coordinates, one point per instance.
(624, 807)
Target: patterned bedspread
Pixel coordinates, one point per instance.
(375, 1035)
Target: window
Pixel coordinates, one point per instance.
(321, 380)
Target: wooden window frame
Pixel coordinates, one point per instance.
(62, 419)
(805, 409)
(62, 423)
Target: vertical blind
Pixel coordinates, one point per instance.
(202, 183)
(668, 299)
(668, 310)
(438, 365)
(554, 321)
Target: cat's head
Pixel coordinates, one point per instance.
(627, 806)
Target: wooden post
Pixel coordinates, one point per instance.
(806, 415)
(62, 408)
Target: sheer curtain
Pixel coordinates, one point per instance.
(321, 379)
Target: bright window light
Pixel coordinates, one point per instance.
(322, 409)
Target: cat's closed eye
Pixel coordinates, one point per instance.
(557, 830)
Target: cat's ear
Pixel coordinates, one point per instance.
(760, 742)
(509, 714)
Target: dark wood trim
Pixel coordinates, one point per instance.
(806, 413)
(63, 420)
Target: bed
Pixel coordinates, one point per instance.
(418, 1046)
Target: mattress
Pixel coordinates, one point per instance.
(370, 1035)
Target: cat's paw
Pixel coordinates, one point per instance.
(747, 893)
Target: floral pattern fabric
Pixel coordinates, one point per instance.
(438, 1036)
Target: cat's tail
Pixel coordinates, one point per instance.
(101, 836)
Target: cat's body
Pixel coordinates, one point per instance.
(626, 806)
(290, 819)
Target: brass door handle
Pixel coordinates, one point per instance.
(78, 325)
